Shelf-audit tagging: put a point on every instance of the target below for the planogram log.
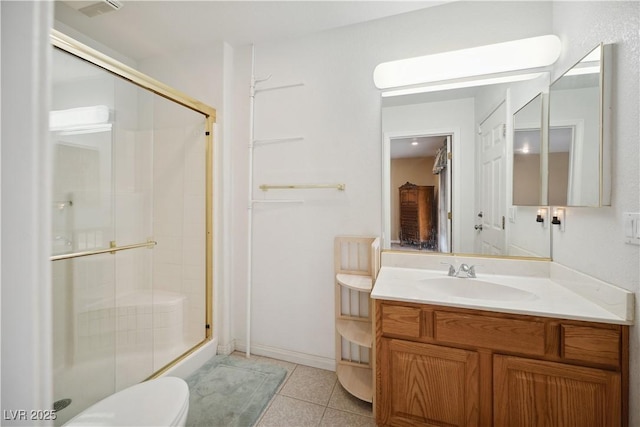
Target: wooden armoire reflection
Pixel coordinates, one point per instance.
(417, 215)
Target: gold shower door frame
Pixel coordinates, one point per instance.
(69, 45)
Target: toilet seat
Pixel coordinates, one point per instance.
(158, 402)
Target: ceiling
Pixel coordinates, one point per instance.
(427, 146)
(142, 29)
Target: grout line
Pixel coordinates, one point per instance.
(322, 417)
(333, 389)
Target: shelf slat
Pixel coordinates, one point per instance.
(357, 332)
(355, 282)
(356, 380)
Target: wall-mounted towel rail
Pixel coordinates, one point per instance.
(264, 187)
(112, 249)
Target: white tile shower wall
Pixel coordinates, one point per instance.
(179, 222)
(136, 323)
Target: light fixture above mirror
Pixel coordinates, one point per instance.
(489, 64)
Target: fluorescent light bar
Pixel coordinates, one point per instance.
(463, 84)
(504, 57)
(78, 118)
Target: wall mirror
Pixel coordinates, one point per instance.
(528, 155)
(579, 141)
(431, 140)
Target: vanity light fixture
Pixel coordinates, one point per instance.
(414, 142)
(480, 64)
(462, 84)
(578, 71)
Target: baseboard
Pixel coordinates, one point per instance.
(290, 356)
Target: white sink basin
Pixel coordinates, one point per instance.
(475, 289)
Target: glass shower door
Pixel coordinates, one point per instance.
(82, 135)
(179, 221)
(129, 175)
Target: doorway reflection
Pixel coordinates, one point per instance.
(419, 193)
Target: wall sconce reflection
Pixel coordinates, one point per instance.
(541, 216)
(558, 218)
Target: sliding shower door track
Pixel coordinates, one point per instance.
(112, 249)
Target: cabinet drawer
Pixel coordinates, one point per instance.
(587, 344)
(404, 321)
(520, 336)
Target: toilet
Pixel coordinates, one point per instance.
(159, 402)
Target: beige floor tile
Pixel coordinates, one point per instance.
(334, 417)
(288, 412)
(310, 384)
(345, 401)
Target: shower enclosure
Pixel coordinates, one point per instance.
(131, 218)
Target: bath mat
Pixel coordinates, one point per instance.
(230, 391)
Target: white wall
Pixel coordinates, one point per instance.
(593, 241)
(338, 113)
(26, 281)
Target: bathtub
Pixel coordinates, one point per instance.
(120, 342)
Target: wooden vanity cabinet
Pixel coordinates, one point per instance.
(535, 392)
(445, 366)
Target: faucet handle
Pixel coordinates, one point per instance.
(452, 269)
(472, 270)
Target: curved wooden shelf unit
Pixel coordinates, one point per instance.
(355, 282)
(356, 380)
(356, 331)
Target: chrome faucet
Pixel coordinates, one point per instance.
(465, 271)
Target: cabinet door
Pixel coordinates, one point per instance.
(426, 385)
(537, 393)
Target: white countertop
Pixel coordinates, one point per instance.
(545, 297)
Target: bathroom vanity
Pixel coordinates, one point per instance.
(535, 353)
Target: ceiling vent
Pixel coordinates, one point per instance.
(100, 8)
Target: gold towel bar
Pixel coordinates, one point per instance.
(112, 249)
(340, 187)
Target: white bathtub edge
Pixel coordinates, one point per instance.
(194, 361)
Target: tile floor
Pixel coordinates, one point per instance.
(312, 397)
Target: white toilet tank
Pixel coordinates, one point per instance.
(158, 402)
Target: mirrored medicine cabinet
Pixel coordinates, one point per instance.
(561, 140)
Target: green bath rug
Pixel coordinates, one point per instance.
(230, 391)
